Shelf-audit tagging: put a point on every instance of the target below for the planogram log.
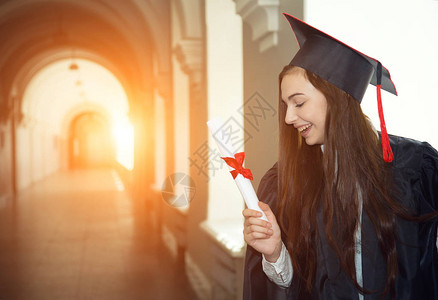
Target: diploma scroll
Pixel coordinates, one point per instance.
(226, 150)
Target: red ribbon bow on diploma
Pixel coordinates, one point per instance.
(237, 164)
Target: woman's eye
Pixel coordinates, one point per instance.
(299, 104)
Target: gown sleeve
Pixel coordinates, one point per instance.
(256, 285)
(428, 230)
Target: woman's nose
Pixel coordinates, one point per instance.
(291, 116)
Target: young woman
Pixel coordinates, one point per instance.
(345, 221)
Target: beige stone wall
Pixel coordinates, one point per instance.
(261, 71)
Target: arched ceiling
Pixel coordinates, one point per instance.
(116, 34)
(56, 90)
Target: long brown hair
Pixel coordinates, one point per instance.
(332, 180)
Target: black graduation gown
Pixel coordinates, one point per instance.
(415, 169)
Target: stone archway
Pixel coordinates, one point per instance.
(90, 144)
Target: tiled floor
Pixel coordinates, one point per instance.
(74, 235)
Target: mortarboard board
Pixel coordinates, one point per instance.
(343, 66)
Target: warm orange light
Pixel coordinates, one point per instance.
(123, 133)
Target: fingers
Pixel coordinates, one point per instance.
(265, 207)
(255, 228)
(254, 232)
(264, 230)
(252, 217)
(256, 236)
(254, 213)
(267, 210)
(251, 213)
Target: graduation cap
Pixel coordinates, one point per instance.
(343, 66)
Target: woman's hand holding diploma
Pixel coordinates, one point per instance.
(263, 236)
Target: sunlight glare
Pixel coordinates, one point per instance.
(123, 133)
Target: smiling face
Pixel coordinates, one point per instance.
(306, 106)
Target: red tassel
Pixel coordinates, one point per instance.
(388, 156)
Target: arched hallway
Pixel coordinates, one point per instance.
(77, 235)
